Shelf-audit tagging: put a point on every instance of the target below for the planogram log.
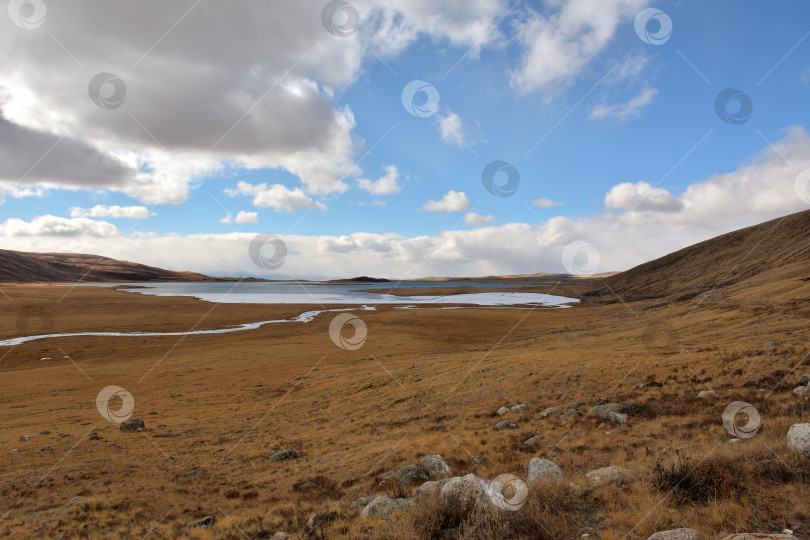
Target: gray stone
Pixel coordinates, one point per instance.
(602, 412)
(770, 344)
(548, 412)
(133, 424)
(804, 379)
(363, 501)
(518, 408)
(533, 442)
(676, 534)
(436, 467)
(412, 474)
(285, 455)
(570, 413)
(476, 460)
(383, 507)
(760, 536)
(505, 424)
(469, 490)
(798, 439)
(502, 411)
(204, 523)
(617, 418)
(281, 536)
(802, 391)
(430, 487)
(543, 471)
(94, 436)
(389, 475)
(612, 475)
(707, 394)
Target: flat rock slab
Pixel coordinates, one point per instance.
(760, 536)
(612, 475)
(384, 506)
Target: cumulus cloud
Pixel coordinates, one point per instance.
(628, 109)
(641, 197)
(101, 211)
(545, 202)
(241, 217)
(560, 45)
(277, 196)
(385, 185)
(453, 201)
(473, 218)
(632, 232)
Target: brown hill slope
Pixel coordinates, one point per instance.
(777, 249)
(22, 267)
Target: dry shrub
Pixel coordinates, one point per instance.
(699, 481)
(550, 512)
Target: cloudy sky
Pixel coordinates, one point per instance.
(399, 138)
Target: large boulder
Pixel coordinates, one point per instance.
(612, 475)
(468, 490)
(384, 506)
(436, 467)
(676, 534)
(543, 471)
(430, 487)
(602, 412)
(798, 439)
(412, 474)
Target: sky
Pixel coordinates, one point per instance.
(398, 138)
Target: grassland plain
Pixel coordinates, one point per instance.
(424, 382)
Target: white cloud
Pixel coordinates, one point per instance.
(623, 111)
(277, 196)
(101, 211)
(274, 90)
(385, 185)
(641, 197)
(561, 45)
(760, 189)
(473, 218)
(545, 202)
(453, 201)
(241, 217)
(452, 129)
(58, 227)
(377, 203)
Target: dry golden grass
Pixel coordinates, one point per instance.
(213, 404)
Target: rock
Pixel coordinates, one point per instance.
(518, 408)
(707, 394)
(281, 536)
(484, 369)
(570, 413)
(206, 522)
(685, 351)
(798, 439)
(505, 424)
(804, 379)
(548, 412)
(770, 344)
(436, 467)
(45, 449)
(284, 455)
(572, 405)
(25, 438)
(272, 447)
(389, 475)
(802, 391)
(612, 475)
(760, 536)
(469, 490)
(133, 424)
(502, 411)
(385, 506)
(430, 487)
(533, 442)
(676, 534)
(412, 474)
(617, 418)
(476, 460)
(543, 471)
(94, 436)
(602, 412)
(15, 451)
(363, 501)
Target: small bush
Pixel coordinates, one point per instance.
(690, 481)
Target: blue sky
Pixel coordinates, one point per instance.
(293, 127)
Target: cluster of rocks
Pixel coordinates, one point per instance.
(691, 534)
(803, 388)
(615, 413)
